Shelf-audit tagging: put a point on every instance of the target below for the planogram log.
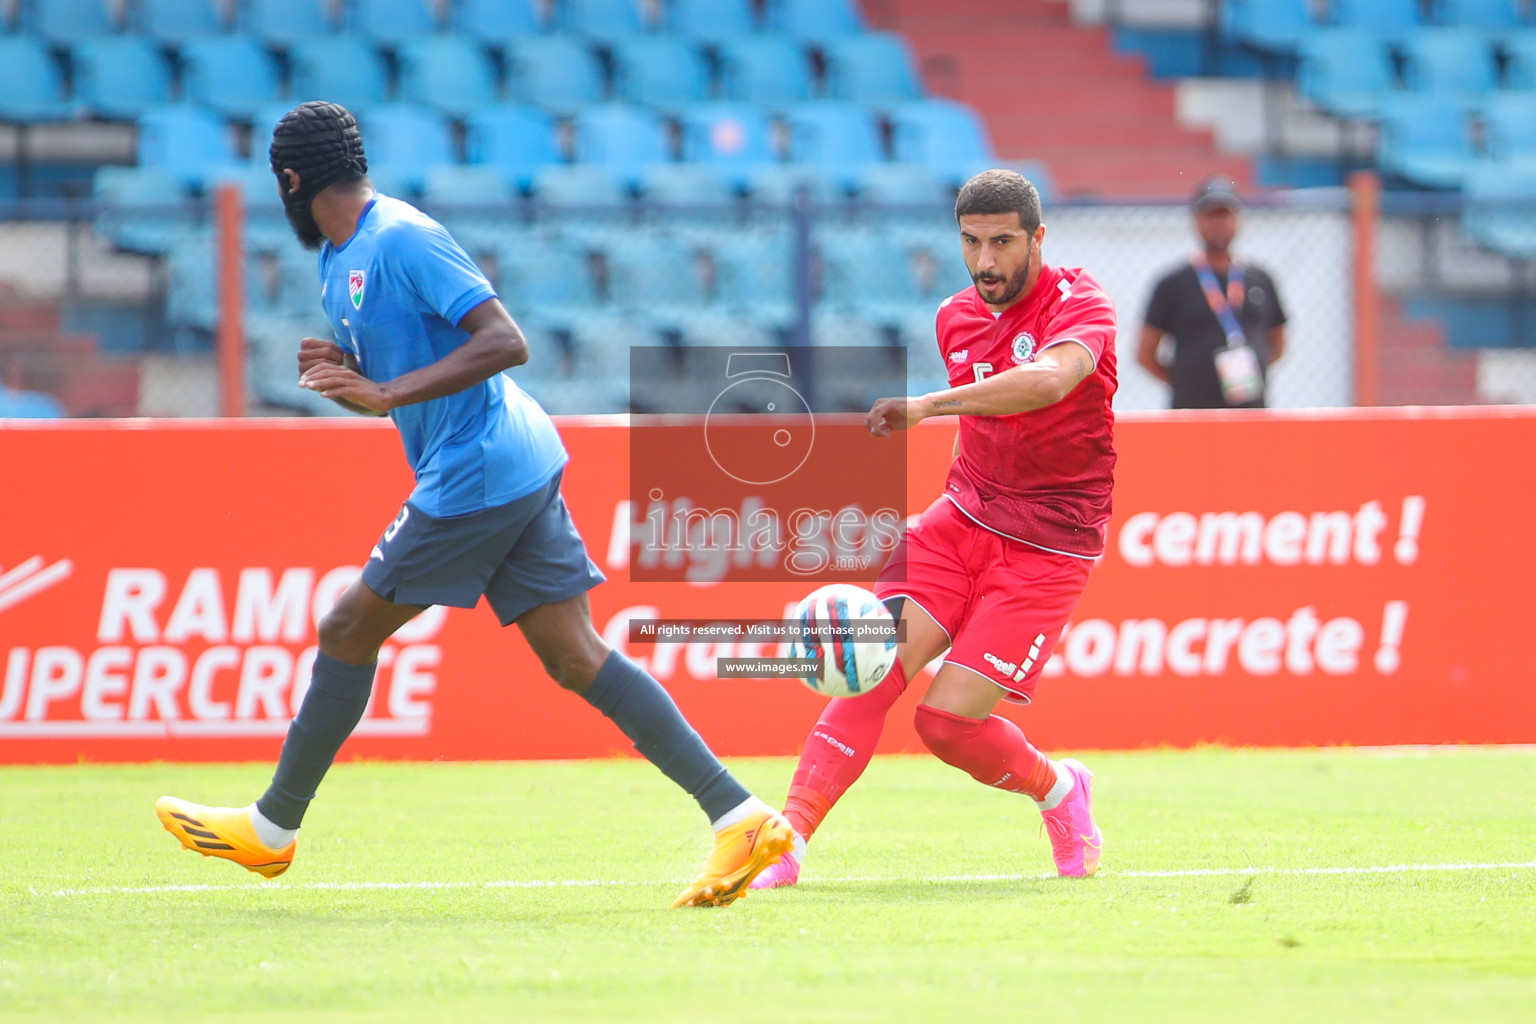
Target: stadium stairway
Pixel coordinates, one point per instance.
(37, 354)
(1054, 91)
(1416, 366)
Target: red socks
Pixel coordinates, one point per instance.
(992, 750)
(838, 750)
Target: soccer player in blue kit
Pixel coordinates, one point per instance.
(422, 338)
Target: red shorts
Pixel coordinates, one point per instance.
(1002, 602)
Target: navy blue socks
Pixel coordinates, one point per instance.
(646, 713)
(337, 698)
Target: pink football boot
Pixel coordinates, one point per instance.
(1076, 841)
(785, 872)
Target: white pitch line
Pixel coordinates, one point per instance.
(583, 883)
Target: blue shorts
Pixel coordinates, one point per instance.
(520, 555)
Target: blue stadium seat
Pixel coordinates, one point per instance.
(771, 70)
(602, 19)
(541, 273)
(474, 202)
(872, 67)
(1453, 61)
(1484, 14)
(29, 405)
(32, 88)
(1278, 25)
(557, 72)
(120, 77)
(460, 186)
(266, 225)
(1390, 19)
(516, 140)
(652, 278)
(709, 19)
(686, 185)
(177, 20)
(493, 20)
(901, 184)
(623, 139)
(1520, 60)
(666, 71)
(756, 274)
(779, 184)
(191, 299)
(1346, 71)
(836, 137)
(67, 21)
(564, 185)
(184, 140)
(817, 20)
(141, 209)
(944, 136)
(282, 22)
(1509, 125)
(1425, 139)
(392, 22)
(231, 74)
(732, 138)
(342, 69)
(1500, 210)
(449, 73)
(402, 141)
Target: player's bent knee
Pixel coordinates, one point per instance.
(344, 635)
(946, 735)
(573, 670)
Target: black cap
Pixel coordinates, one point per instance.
(1217, 190)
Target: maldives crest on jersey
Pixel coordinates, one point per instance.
(355, 288)
(1024, 347)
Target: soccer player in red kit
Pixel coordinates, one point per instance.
(996, 565)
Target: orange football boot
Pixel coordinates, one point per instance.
(741, 853)
(222, 832)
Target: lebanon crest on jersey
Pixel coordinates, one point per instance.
(355, 288)
(1023, 347)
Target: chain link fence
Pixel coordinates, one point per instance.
(112, 310)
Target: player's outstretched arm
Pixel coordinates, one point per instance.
(494, 344)
(1046, 381)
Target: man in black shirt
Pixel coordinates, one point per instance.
(1222, 315)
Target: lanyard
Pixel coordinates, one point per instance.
(1223, 305)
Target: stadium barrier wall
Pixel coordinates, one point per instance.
(1356, 577)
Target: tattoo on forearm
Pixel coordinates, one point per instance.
(948, 403)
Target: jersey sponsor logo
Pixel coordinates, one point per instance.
(1023, 347)
(1007, 668)
(960, 356)
(355, 283)
(1012, 669)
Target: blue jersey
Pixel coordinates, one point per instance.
(395, 293)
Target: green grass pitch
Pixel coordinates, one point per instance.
(1228, 893)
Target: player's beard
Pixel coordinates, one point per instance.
(303, 222)
(1014, 286)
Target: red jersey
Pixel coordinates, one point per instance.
(1042, 477)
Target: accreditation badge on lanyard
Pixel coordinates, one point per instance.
(1237, 365)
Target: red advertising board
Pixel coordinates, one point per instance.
(1272, 578)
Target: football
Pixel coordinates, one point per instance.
(834, 624)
